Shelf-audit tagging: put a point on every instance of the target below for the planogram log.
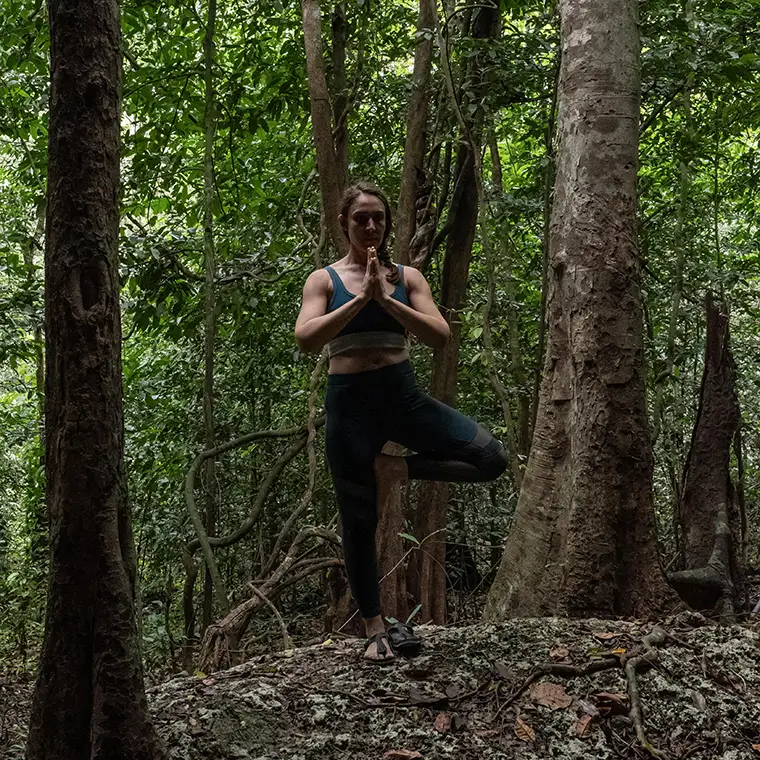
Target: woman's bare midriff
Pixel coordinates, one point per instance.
(364, 359)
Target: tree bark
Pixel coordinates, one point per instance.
(340, 92)
(583, 541)
(709, 513)
(319, 97)
(89, 700)
(416, 124)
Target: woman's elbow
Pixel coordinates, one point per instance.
(305, 345)
(441, 337)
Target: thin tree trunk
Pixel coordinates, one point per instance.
(209, 126)
(681, 246)
(319, 97)
(583, 541)
(390, 549)
(522, 427)
(340, 92)
(89, 701)
(428, 570)
(416, 124)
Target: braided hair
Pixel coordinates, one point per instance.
(350, 194)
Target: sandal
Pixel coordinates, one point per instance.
(404, 640)
(379, 638)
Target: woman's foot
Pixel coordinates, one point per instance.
(378, 644)
(379, 649)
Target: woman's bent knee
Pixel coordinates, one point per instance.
(495, 464)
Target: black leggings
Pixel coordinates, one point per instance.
(364, 411)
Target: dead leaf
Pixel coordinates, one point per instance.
(756, 747)
(523, 731)
(583, 726)
(605, 636)
(452, 691)
(611, 703)
(209, 681)
(559, 654)
(458, 722)
(443, 723)
(619, 651)
(550, 695)
(401, 754)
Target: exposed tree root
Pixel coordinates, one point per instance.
(632, 666)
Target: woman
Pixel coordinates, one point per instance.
(361, 307)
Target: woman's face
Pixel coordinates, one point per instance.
(365, 224)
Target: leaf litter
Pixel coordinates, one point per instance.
(323, 703)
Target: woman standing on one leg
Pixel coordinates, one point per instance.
(362, 307)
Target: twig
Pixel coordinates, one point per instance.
(559, 669)
(288, 644)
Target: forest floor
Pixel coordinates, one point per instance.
(533, 688)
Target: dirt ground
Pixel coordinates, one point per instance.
(534, 688)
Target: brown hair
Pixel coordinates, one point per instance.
(350, 194)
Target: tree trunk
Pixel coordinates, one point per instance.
(209, 265)
(416, 125)
(319, 97)
(709, 513)
(340, 92)
(390, 550)
(427, 572)
(89, 700)
(583, 541)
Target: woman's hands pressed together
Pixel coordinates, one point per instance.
(372, 285)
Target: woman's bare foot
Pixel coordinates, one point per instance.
(375, 627)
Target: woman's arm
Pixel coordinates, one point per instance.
(422, 317)
(316, 326)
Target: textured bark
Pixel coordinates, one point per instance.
(427, 572)
(712, 577)
(340, 92)
(329, 183)
(392, 564)
(583, 541)
(416, 123)
(89, 699)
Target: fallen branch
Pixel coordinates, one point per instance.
(287, 643)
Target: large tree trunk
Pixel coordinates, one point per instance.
(427, 573)
(89, 701)
(583, 541)
(327, 164)
(712, 578)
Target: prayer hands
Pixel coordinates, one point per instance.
(372, 286)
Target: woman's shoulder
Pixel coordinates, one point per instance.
(412, 276)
